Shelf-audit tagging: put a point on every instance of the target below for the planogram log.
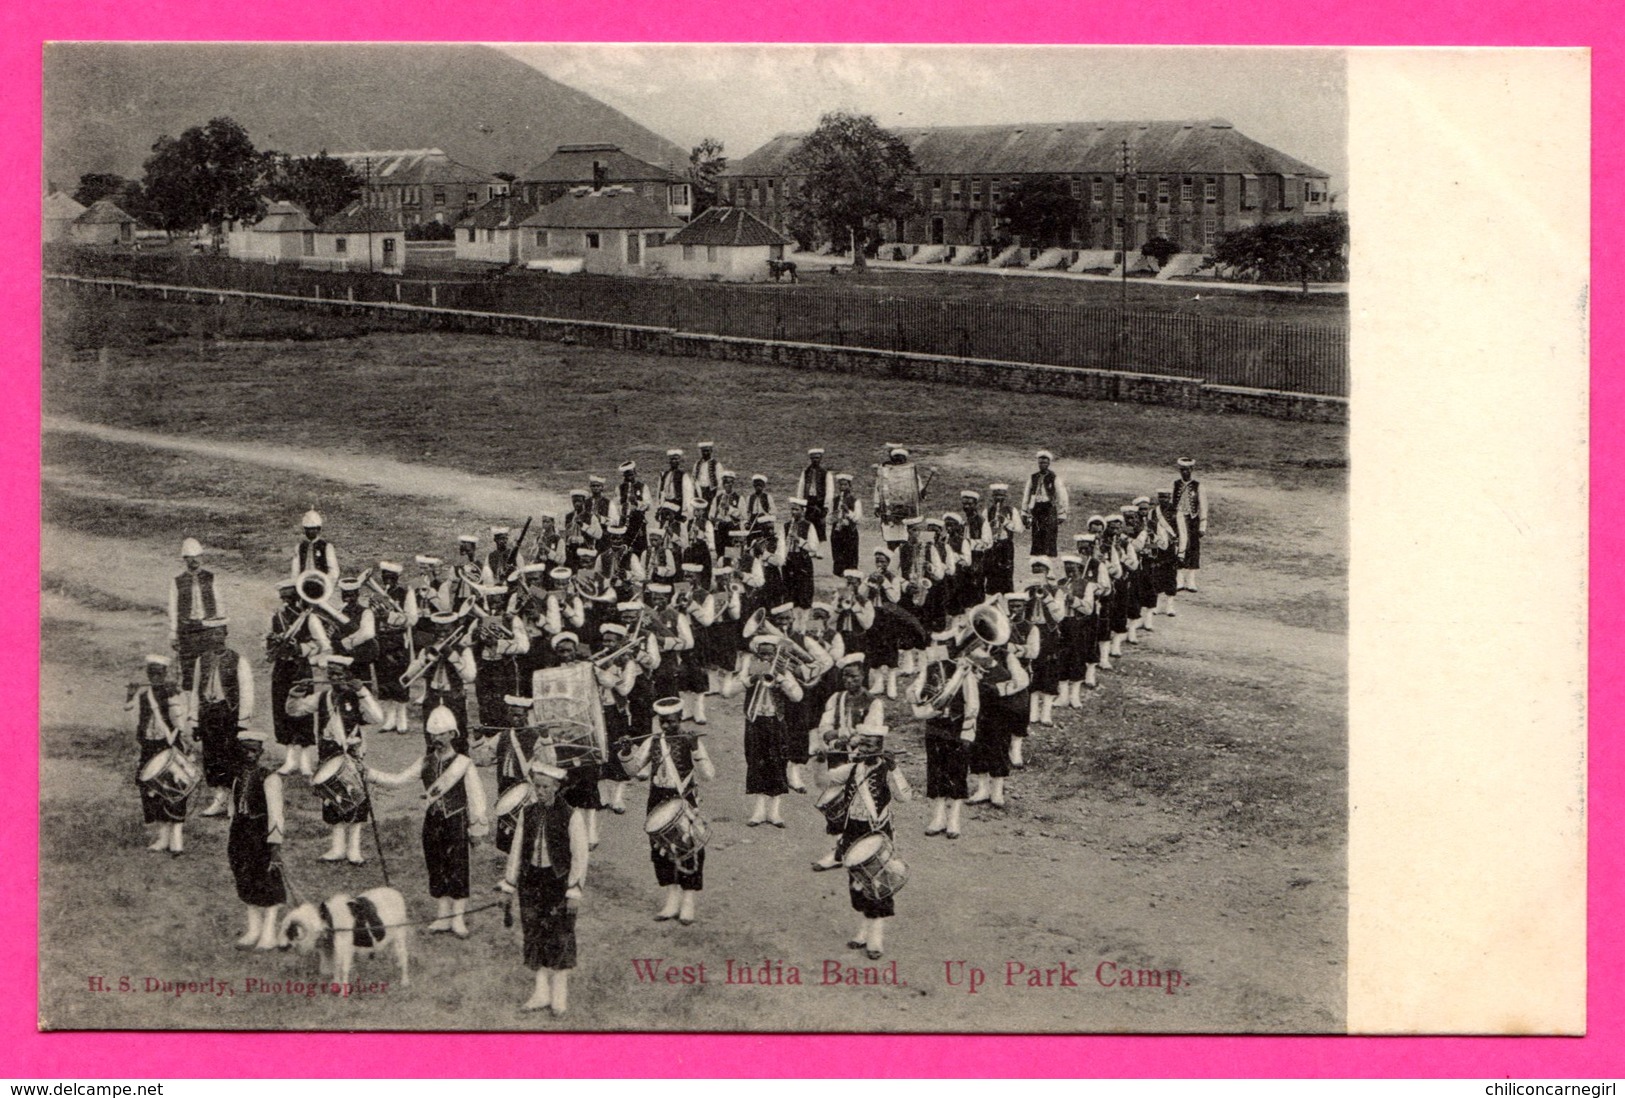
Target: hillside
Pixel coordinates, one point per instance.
(106, 103)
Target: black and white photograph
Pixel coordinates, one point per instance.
(721, 538)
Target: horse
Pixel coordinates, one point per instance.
(778, 267)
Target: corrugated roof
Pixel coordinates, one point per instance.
(104, 211)
(610, 208)
(730, 227)
(356, 218)
(1062, 148)
(573, 164)
(505, 211)
(60, 206)
(284, 217)
(412, 167)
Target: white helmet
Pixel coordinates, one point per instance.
(312, 518)
(191, 548)
(441, 722)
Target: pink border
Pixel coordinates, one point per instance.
(1486, 22)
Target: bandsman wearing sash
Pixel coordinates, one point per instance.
(254, 847)
(1003, 524)
(707, 473)
(468, 574)
(799, 544)
(700, 607)
(503, 560)
(1190, 512)
(157, 712)
(339, 706)
(221, 702)
(874, 780)
(726, 512)
(546, 867)
(358, 637)
(672, 760)
(1045, 502)
(515, 747)
(500, 643)
(453, 817)
(770, 688)
(817, 487)
(850, 707)
(293, 638)
(630, 508)
(677, 486)
(394, 614)
(1046, 607)
(192, 601)
(845, 513)
(759, 502)
(1165, 535)
(948, 699)
(582, 528)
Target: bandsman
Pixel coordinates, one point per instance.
(1190, 512)
(673, 760)
(677, 486)
(707, 473)
(631, 508)
(292, 639)
(845, 513)
(1046, 504)
(800, 542)
(339, 705)
(874, 780)
(254, 846)
(770, 688)
(947, 698)
(156, 713)
(546, 867)
(220, 703)
(1003, 524)
(315, 553)
(726, 511)
(192, 601)
(1002, 708)
(816, 487)
(394, 615)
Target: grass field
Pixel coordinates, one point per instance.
(1191, 816)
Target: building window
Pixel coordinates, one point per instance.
(1117, 193)
(1142, 195)
(688, 251)
(993, 192)
(1097, 190)
(936, 193)
(1162, 228)
(339, 245)
(710, 253)
(1289, 192)
(679, 195)
(1117, 234)
(473, 197)
(471, 236)
(654, 240)
(1313, 192)
(490, 236)
(1162, 192)
(1210, 228)
(976, 193)
(1249, 192)
(440, 196)
(958, 191)
(1210, 192)
(541, 238)
(769, 189)
(1185, 189)
(592, 241)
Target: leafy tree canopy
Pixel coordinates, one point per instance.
(95, 186)
(853, 175)
(321, 185)
(206, 175)
(705, 164)
(1312, 250)
(1041, 211)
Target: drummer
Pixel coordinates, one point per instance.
(158, 713)
(874, 778)
(453, 818)
(254, 847)
(339, 705)
(847, 709)
(546, 867)
(670, 757)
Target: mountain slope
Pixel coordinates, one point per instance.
(106, 103)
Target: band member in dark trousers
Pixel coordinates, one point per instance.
(157, 712)
(454, 817)
(817, 487)
(845, 512)
(1001, 707)
(1003, 524)
(339, 706)
(546, 866)
(874, 780)
(769, 688)
(947, 698)
(254, 847)
(393, 611)
(221, 702)
(192, 600)
(673, 760)
(1190, 512)
(1045, 502)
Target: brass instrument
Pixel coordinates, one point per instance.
(285, 645)
(424, 660)
(395, 612)
(317, 589)
(607, 659)
(919, 583)
(987, 628)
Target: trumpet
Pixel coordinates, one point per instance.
(426, 659)
(607, 659)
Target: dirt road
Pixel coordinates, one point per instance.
(1168, 856)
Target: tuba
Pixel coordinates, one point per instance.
(987, 629)
(317, 589)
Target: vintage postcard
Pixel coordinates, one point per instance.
(774, 539)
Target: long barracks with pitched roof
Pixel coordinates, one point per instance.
(1187, 182)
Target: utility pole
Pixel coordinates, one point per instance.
(1125, 166)
(366, 207)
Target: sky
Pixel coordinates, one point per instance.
(1294, 100)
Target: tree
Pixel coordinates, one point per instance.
(321, 185)
(207, 175)
(95, 186)
(1161, 249)
(854, 175)
(705, 165)
(1312, 250)
(1041, 211)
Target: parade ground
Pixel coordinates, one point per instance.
(1190, 819)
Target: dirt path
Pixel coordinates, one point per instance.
(1255, 929)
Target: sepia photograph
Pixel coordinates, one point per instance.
(728, 538)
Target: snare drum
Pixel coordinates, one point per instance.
(677, 829)
(170, 775)
(338, 783)
(517, 797)
(875, 868)
(834, 802)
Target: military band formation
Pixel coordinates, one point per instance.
(594, 641)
